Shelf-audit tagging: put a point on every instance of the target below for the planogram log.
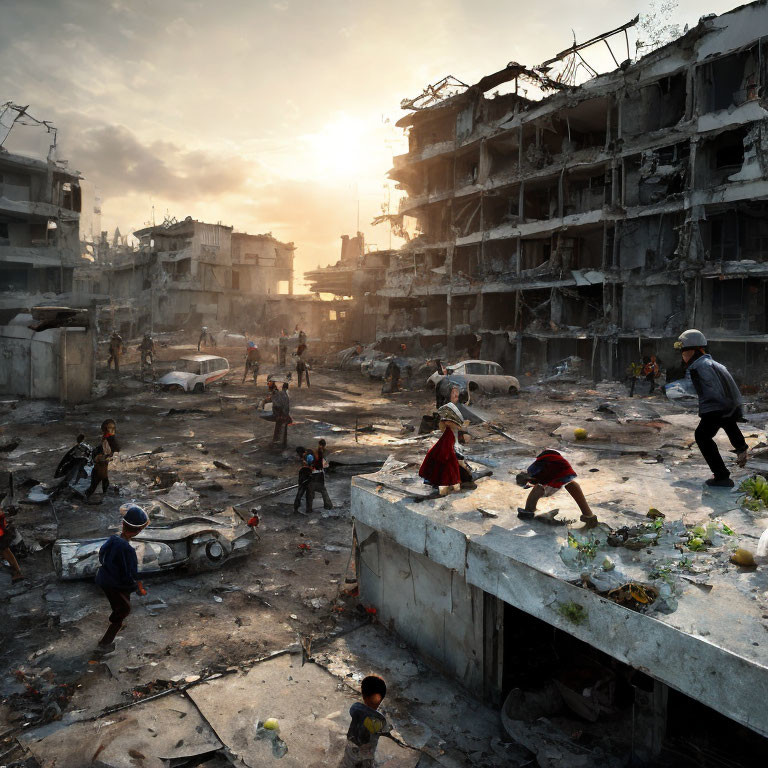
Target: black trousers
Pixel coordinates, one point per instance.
(120, 603)
(709, 426)
(304, 481)
(317, 485)
(96, 478)
(280, 434)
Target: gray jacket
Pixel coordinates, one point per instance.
(715, 387)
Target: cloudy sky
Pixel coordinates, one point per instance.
(268, 115)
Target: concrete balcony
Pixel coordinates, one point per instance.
(39, 256)
(30, 208)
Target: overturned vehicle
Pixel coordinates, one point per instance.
(197, 543)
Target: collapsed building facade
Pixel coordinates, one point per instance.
(358, 315)
(598, 221)
(188, 273)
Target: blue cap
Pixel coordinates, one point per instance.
(134, 516)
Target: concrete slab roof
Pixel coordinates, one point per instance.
(712, 647)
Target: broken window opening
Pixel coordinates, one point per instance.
(534, 253)
(438, 177)
(584, 194)
(467, 166)
(540, 203)
(466, 261)
(720, 157)
(659, 105)
(503, 157)
(468, 218)
(501, 208)
(656, 174)
(463, 311)
(14, 278)
(499, 257)
(431, 132)
(731, 80)
(738, 305)
(577, 307)
(498, 311)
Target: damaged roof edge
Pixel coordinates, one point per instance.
(705, 27)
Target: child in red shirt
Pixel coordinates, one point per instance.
(548, 474)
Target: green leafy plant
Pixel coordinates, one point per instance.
(587, 548)
(574, 612)
(664, 572)
(755, 490)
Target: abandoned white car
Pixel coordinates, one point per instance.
(195, 373)
(479, 376)
(197, 543)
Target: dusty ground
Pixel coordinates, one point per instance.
(284, 595)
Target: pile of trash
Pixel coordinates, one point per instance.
(39, 698)
(587, 554)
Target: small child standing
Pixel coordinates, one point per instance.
(548, 474)
(317, 484)
(118, 573)
(307, 459)
(366, 726)
(103, 455)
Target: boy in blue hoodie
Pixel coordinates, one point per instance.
(366, 726)
(118, 573)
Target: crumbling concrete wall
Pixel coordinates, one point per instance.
(431, 607)
(55, 364)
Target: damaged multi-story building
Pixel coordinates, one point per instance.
(189, 273)
(599, 220)
(47, 338)
(40, 204)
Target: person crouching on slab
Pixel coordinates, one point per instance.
(720, 405)
(548, 474)
(118, 573)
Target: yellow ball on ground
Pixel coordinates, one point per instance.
(743, 557)
(580, 433)
(271, 724)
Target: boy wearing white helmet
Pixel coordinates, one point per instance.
(719, 405)
(119, 571)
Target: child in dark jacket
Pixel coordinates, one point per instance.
(366, 726)
(118, 573)
(307, 459)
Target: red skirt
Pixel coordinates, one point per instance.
(440, 465)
